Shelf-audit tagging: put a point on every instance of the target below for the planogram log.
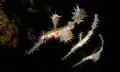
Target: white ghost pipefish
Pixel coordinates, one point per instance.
(94, 56)
(84, 40)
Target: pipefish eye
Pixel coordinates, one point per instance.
(46, 37)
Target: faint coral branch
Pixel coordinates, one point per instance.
(94, 56)
(8, 31)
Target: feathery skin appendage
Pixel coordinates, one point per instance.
(94, 56)
(66, 36)
(84, 40)
(55, 19)
(71, 25)
(78, 15)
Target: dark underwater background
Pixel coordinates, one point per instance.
(48, 57)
